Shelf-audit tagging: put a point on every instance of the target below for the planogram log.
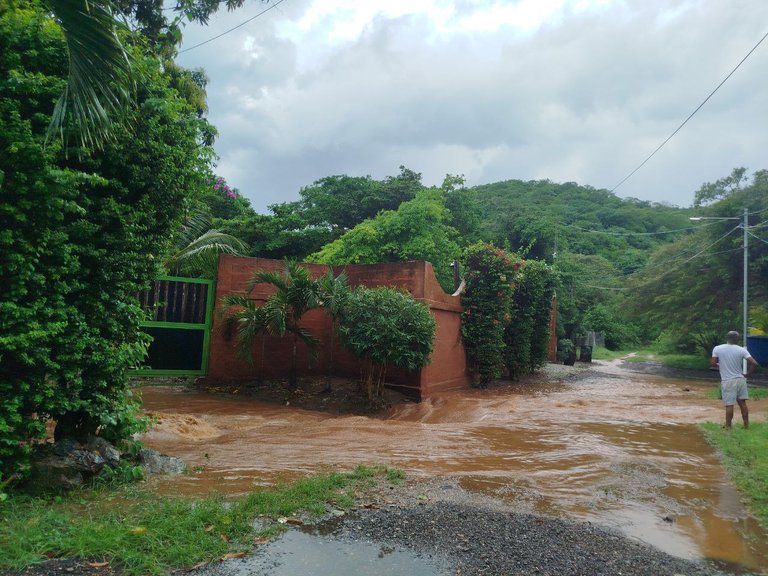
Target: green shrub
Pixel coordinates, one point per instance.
(526, 337)
(490, 276)
(566, 351)
(507, 307)
(386, 327)
(80, 235)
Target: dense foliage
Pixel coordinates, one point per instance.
(417, 230)
(386, 327)
(507, 307)
(327, 209)
(690, 294)
(490, 275)
(526, 336)
(80, 234)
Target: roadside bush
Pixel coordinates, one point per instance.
(566, 351)
(487, 299)
(618, 334)
(386, 327)
(526, 337)
(79, 236)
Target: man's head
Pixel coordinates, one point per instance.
(732, 337)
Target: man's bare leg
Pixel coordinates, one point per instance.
(744, 412)
(728, 416)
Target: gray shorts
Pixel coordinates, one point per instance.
(734, 389)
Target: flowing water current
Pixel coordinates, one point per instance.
(613, 447)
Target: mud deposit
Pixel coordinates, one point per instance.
(615, 448)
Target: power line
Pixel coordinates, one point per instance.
(691, 114)
(243, 23)
(684, 262)
(636, 233)
(757, 237)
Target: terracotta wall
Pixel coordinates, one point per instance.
(446, 370)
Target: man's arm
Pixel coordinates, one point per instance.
(752, 365)
(713, 362)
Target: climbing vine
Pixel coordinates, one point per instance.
(490, 278)
(505, 323)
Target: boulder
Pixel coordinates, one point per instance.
(156, 463)
(69, 464)
(107, 451)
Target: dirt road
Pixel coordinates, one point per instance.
(598, 443)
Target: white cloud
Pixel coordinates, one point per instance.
(570, 90)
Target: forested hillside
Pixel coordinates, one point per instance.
(635, 270)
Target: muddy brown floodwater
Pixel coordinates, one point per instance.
(610, 446)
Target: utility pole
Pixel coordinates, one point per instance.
(744, 303)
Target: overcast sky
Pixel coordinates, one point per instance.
(569, 90)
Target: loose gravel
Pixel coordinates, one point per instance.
(477, 535)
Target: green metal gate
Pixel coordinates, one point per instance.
(180, 310)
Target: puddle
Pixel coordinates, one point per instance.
(297, 552)
(619, 449)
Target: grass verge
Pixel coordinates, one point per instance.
(145, 533)
(745, 454)
(755, 393)
(684, 361)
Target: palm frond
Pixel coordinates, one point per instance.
(311, 341)
(243, 317)
(275, 317)
(100, 81)
(198, 247)
(276, 279)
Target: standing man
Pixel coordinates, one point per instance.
(728, 359)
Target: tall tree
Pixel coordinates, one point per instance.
(417, 230)
(692, 289)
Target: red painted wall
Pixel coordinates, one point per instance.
(446, 370)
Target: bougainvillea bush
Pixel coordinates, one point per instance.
(505, 323)
(490, 275)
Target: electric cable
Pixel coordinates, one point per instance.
(757, 237)
(691, 114)
(243, 23)
(636, 233)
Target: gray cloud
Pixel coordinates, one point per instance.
(584, 98)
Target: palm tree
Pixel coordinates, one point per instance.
(334, 294)
(246, 320)
(296, 293)
(100, 81)
(196, 252)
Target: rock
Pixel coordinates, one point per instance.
(65, 447)
(107, 451)
(69, 464)
(87, 461)
(53, 473)
(156, 463)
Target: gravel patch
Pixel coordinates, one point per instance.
(473, 534)
(477, 541)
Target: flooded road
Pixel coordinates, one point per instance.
(613, 447)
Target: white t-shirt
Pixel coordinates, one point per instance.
(729, 360)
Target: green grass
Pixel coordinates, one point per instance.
(745, 454)
(605, 354)
(150, 534)
(755, 393)
(696, 362)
